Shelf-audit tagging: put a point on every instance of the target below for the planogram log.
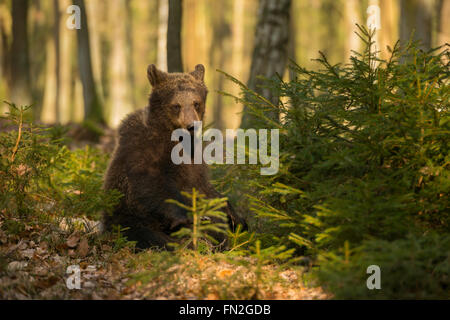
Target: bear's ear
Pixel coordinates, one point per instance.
(199, 72)
(155, 76)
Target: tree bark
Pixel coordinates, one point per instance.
(163, 10)
(269, 53)
(174, 61)
(352, 18)
(92, 107)
(120, 101)
(20, 63)
(67, 56)
(416, 15)
(238, 34)
(4, 51)
(389, 33)
(129, 51)
(56, 34)
(49, 103)
(444, 22)
(217, 55)
(292, 45)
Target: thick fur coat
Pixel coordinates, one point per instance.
(141, 167)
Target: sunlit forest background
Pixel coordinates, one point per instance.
(40, 57)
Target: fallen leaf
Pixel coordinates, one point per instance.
(17, 265)
(47, 283)
(91, 268)
(23, 245)
(43, 245)
(83, 248)
(12, 248)
(95, 296)
(105, 247)
(28, 253)
(212, 296)
(225, 273)
(21, 169)
(129, 289)
(73, 239)
(40, 271)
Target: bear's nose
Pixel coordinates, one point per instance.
(190, 128)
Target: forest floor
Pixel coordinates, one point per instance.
(40, 257)
(34, 265)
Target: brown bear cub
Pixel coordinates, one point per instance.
(141, 167)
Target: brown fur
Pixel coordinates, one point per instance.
(141, 167)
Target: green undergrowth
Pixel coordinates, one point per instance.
(51, 201)
(364, 171)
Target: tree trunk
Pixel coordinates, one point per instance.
(67, 56)
(444, 22)
(40, 24)
(120, 90)
(92, 107)
(374, 25)
(269, 53)
(416, 15)
(20, 64)
(238, 33)
(129, 51)
(4, 53)
(57, 37)
(217, 54)
(389, 33)
(105, 47)
(292, 45)
(352, 18)
(49, 103)
(163, 10)
(98, 24)
(174, 61)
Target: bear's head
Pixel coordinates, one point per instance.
(177, 99)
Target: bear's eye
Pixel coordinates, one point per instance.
(176, 107)
(196, 105)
